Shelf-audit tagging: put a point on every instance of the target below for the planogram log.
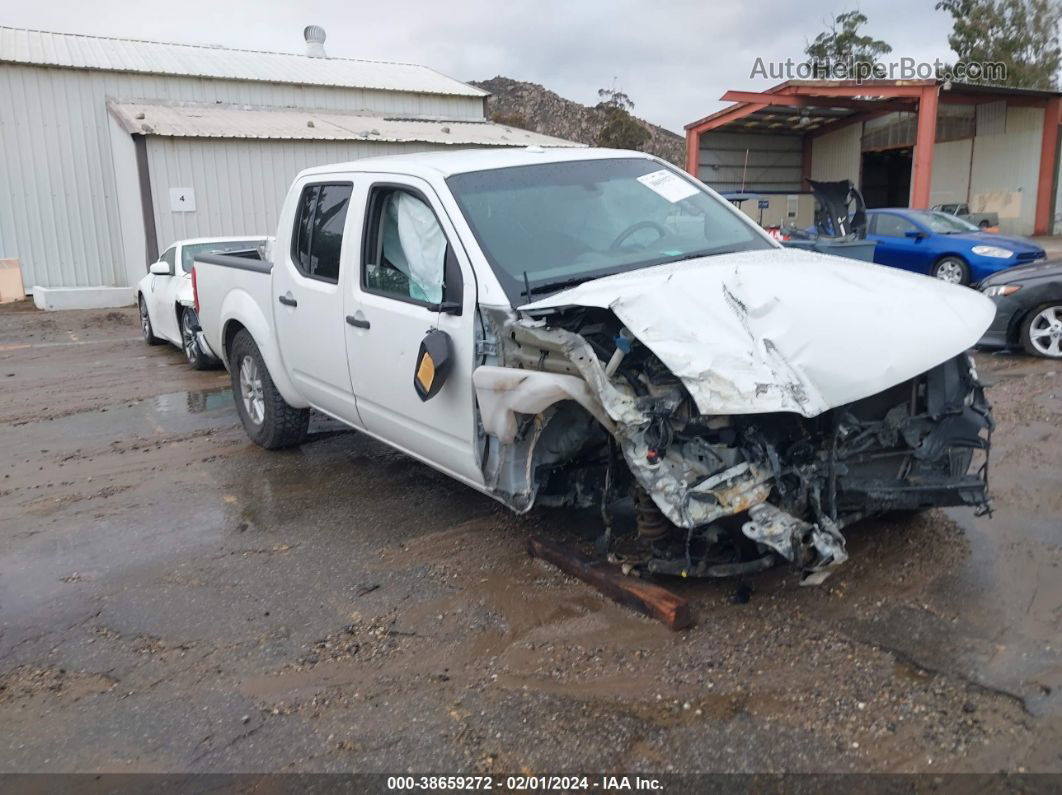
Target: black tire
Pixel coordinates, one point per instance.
(951, 265)
(1050, 343)
(146, 329)
(197, 358)
(984, 225)
(281, 425)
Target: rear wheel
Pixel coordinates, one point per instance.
(268, 419)
(1041, 332)
(145, 324)
(197, 357)
(951, 270)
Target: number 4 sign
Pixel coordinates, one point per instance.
(182, 200)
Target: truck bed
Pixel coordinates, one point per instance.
(230, 285)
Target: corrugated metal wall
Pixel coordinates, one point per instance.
(751, 161)
(838, 155)
(1006, 169)
(58, 206)
(951, 172)
(239, 185)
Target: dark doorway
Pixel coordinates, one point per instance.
(887, 178)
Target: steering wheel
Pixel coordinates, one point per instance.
(630, 230)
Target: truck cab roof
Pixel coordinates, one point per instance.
(460, 161)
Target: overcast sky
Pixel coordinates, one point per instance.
(673, 57)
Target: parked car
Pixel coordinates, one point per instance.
(164, 295)
(986, 222)
(941, 245)
(1028, 309)
(569, 326)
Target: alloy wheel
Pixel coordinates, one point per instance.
(251, 390)
(1045, 332)
(950, 271)
(188, 338)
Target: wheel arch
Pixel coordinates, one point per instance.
(1019, 318)
(241, 312)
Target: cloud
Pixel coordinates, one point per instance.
(673, 57)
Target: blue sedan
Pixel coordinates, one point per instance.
(944, 246)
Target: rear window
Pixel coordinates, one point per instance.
(192, 251)
(317, 237)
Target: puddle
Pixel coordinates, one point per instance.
(193, 402)
(157, 417)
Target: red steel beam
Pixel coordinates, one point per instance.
(1045, 187)
(804, 101)
(693, 153)
(852, 89)
(724, 116)
(925, 137)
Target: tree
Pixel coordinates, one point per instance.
(841, 44)
(1022, 35)
(620, 129)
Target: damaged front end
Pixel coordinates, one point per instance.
(575, 410)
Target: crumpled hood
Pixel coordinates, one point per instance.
(787, 330)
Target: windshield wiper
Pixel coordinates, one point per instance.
(549, 287)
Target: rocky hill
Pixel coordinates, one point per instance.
(534, 107)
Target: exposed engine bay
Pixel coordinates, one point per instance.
(576, 411)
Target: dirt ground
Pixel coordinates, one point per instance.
(173, 598)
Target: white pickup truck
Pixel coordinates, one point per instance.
(585, 327)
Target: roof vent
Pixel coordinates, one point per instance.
(315, 39)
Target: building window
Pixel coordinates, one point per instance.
(317, 238)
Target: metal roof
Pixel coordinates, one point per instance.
(200, 120)
(76, 51)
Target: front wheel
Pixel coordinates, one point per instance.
(193, 351)
(1041, 333)
(268, 419)
(951, 270)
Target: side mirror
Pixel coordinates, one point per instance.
(914, 234)
(159, 268)
(433, 364)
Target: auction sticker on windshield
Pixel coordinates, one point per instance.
(671, 186)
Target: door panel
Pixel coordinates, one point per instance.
(311, 262)
(894, 248)
(163, 318)
(408, 235)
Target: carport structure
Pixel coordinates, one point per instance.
(773, 135)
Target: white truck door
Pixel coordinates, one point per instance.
(411, 266)
(310, 261)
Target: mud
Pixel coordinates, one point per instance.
(173, 598)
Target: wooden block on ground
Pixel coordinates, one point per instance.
(652, 600)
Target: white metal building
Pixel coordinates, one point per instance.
(110, 149)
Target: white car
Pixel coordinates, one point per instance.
(569, 327)
(164, 295)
